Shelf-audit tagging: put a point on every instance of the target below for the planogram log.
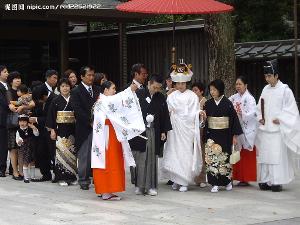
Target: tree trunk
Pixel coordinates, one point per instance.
(221, 57)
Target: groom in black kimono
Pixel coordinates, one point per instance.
(156, 117)
(83, 98)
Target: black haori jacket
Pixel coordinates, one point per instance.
(162, 124)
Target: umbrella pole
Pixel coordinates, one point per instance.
(173, 51)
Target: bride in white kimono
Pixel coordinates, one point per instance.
(278, 132)
(182, 154)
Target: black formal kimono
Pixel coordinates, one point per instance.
(218, 138)
(162, 124)
(65, 160)
(158, 107)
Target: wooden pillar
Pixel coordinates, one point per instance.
(64, 46)
(296, 51)
(122, 55)
(89, 45)
(221, 56)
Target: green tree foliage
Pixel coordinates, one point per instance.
(254, 20)
(258, 20)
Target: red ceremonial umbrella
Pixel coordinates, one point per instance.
(174, 7)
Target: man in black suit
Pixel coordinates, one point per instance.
(83, 98)
(3, 117)
(45, 148)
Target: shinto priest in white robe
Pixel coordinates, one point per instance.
(274, 141)
(123, 111)
(182, 154)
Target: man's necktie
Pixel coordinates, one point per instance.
(90, 91)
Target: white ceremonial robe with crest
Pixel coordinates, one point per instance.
(248, 119)
(182, 154)
(273, 141)
(123, 111)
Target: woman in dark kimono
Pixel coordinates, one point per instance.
(220, 133)
(61, 122)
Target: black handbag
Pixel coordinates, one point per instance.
(12, 120)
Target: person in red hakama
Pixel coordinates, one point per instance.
(244, 103)
(117, 118)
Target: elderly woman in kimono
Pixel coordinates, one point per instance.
(245, 107)
(61, 122)
(117, 119)
(182, 156)
(220, 133)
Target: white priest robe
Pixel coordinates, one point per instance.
(273, 141)
(182, 154)
(124, 112)
(248, 120)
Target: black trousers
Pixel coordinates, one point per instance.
(3, 148)
(84, 161)
(44, 154)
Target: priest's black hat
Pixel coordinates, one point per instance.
(271, 67)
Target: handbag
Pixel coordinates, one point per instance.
(235, 156)
(12, 120)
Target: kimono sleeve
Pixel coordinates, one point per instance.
(235, 125)
(250, 113)
(165, 121)
(51, 116)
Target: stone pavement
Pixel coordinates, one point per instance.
(47, 203)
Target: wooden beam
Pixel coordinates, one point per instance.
(64, 46)
(122, 54)
(30, 33)
(296, 51)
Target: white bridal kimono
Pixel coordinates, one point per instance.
(248, 120)
(182, 154)
(273, 141)
(123, 111)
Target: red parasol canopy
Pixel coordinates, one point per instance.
(175, 6)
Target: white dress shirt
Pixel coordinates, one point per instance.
(87, 87)
(4, 84)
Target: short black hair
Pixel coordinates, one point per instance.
(63, 81)
(243, 79)
(98, 78)
(35, 84)
(50, 73)
(219, 85)
(24, 89)
(136, 68)
(13, 75)
(39, 92)
(157, 78)
(107, 84)
(2, 67)
(199, 85)
(84, 69)
(68, 72)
